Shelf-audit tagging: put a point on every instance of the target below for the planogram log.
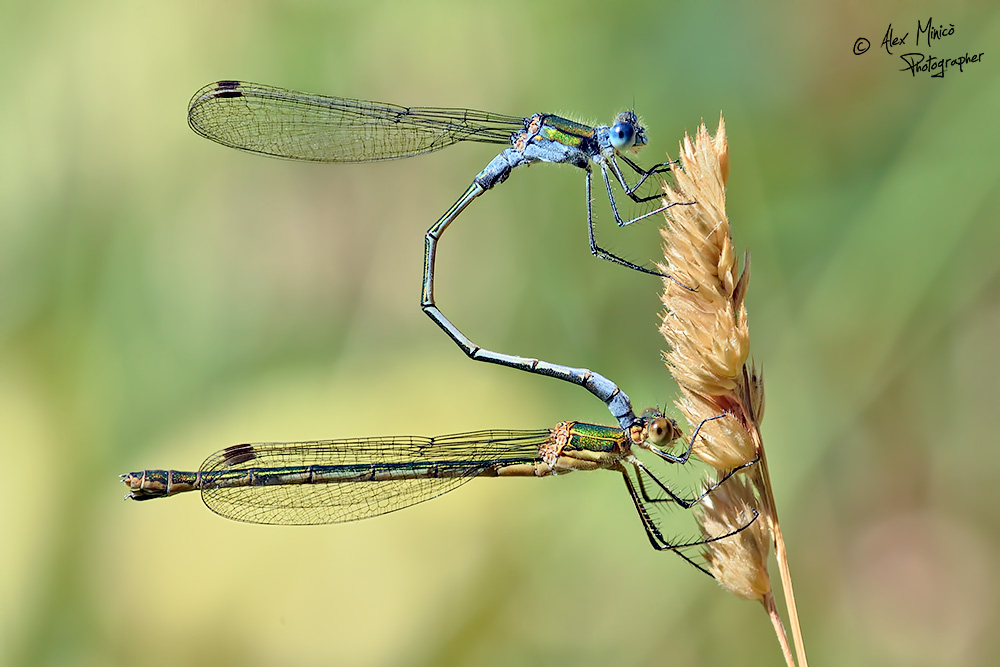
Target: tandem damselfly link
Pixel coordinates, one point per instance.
(302, 126)
(333, 481)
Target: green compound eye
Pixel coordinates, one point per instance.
(622, 135)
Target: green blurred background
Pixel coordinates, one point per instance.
(163, 297)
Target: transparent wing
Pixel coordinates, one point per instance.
(332, 481)
(317, 128)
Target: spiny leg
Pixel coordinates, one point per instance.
(601, 253)
(625, 187)
(598, 385)
(660, 543)
(672, 496)
(681, 459)
(655, 170)
(630, 190)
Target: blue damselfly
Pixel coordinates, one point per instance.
(302, 126)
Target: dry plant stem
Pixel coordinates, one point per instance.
(706, 329)
(779, 629)
(781, 555)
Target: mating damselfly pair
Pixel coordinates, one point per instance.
(343, 480)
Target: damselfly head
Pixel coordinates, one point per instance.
(626, 133)
(663, 431)
(660, 430)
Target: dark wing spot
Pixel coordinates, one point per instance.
(238, 454)
(228, 89)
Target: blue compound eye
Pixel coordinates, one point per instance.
(622, 136)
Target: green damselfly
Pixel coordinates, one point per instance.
(333, 481)
(303, 126)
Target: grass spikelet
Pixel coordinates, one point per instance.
(739, 562)
(723, 443)
(706, 328)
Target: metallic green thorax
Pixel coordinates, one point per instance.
(596, 438)
(565, 131)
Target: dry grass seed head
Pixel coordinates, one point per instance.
(722, 443)
(705, 327)
(739, 562)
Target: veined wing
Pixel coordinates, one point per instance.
(331, 481)
(318, 128)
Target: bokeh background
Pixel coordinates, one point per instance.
(162, 297)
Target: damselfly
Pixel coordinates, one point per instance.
(332, 481)
(302, 126)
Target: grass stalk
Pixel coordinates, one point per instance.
(706, 328)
